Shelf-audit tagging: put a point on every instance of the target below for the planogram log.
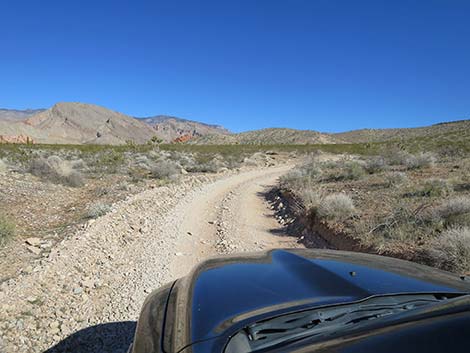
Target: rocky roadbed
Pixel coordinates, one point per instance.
(86, 295)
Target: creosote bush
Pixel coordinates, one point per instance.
(7, 230)
(451, 250)
(336, 207)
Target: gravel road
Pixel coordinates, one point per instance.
(86, 296)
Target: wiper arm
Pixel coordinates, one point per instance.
(329, 320)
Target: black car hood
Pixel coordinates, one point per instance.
(225, 293)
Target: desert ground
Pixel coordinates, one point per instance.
(88, 232)
(84, 289)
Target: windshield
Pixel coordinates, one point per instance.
(326, 320)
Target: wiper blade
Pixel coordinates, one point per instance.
(329, 320)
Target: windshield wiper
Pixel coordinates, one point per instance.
(327, 320)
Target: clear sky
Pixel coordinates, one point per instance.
(311, 64)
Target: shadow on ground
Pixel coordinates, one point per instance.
(114, 337)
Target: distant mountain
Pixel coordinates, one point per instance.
(270, 136)
(381, 135)
(170, 128)
(78, 123)
(15, 115)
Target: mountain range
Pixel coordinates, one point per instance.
(79, 123)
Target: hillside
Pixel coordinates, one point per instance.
(78, 123)
(170, 128)
(382, 135)
(15, 115)
(271, 136)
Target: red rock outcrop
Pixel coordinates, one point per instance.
(183, 138)
(16, 139)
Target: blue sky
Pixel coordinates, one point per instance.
(310, 64)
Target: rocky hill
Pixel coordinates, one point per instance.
(170, 128)
(15, 115)
(381, 135)
(271, 136)
(78, 123)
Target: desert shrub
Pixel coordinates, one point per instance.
(212, 166)
(310, 198)
(396, 156)
(108, 161)
(375, 165)
(436, 187)
(165, 170)
(232, 162)
(336, 207)
(421, 160)
(78, 164)
(455, 211)
(256, 159)
(292, 180)
(396, 178)
(74, 178)
(451, 250)
(56, 170)
(98, 210)
(7, 230)
(403, 224)
(142, 161)
(311, 169)
(352, 171)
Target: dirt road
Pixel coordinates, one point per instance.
(87, 295)
(230, 215)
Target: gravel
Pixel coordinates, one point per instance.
(86, 295)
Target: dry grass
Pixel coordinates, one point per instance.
(3, 166)
(451, 250)
(56, 170)
(165, 170)
(7, 230)
(394, 179)
(407, 207)
(336, 207)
